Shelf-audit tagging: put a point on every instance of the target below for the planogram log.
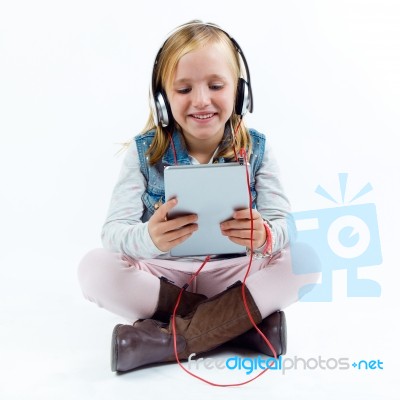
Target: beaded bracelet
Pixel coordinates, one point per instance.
(266, 250)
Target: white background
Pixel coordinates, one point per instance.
(74, 78)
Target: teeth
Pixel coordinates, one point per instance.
(203, 116)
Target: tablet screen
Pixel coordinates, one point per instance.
(213, 192)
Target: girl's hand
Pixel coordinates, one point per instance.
(238, 229)
(167, 234)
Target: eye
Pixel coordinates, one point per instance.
(183, 90)
(216, 86)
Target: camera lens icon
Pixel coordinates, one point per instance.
(343, 237)
(348, 236)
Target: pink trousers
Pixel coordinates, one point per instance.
(130, 288)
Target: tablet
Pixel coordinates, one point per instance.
(213, 192)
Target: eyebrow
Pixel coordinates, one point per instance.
(212, 76)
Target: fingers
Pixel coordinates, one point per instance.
(161, 215)
(162, 212)
(245, 228)
(246, 240)
(242, 220)
(179, 222)
(237, 224)
(168, 233)
(180, 235)
(241, 242)
(247, 214)
(258, 236)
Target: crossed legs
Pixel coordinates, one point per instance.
(130, 288)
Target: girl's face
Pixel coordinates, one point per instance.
(202, 95)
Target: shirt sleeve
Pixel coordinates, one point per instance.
(272, 202)
(123, 230)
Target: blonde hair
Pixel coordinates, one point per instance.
(186, 38)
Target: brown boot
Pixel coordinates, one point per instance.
(214, 322)
(146, 342)
(274, 329)
(167, 299)
(273, 326)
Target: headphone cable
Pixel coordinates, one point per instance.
(243, 155)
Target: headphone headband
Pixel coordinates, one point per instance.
(158, 99)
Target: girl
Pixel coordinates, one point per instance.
(198, 96)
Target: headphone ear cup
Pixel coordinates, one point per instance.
(163, 109)
(242, 97)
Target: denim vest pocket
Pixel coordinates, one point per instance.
(152, 200)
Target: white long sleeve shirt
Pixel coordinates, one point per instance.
(124, 231)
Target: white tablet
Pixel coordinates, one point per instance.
(213, 192)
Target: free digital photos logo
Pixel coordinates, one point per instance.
(345, 237)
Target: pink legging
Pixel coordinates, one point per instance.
(130, 288)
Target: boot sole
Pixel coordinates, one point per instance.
(283, 332)
(114, 348)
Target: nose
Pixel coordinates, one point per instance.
(200, 97)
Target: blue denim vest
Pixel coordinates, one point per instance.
(154, 174)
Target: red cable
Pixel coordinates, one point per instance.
(175, 344)
(244, 155)
(173, 148)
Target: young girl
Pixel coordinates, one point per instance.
(199, 93)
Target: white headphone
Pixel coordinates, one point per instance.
(159, 103)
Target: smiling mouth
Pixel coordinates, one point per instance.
(203, 116)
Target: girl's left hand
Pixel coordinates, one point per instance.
(238, 229)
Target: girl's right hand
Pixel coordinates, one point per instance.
(166, 234)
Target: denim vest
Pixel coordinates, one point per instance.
(154, 194)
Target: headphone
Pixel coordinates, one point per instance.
(159, 103)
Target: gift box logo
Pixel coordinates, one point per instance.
(345, 237)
